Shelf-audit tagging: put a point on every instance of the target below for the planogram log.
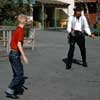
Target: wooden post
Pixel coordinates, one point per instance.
(4, 38)
(55, 18)
(7, 49)
(9, 32)
(42, 16)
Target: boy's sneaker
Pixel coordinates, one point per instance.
(19, 91)
(11, 95)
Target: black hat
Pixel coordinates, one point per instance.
(77, 8)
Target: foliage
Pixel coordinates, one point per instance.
(9, 9)
(9, 22)
(98, 26)
(3, 3)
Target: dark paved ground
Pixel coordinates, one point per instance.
(47, 77)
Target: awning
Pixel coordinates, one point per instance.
(54, 3)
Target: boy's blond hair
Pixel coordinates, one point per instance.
(20, 16)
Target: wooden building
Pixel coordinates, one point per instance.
(90, 9)
(45, 12)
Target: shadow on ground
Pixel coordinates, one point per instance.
(75, 61)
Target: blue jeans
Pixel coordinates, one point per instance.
(17, 68)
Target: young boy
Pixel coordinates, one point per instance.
(14, 58)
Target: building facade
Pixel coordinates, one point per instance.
(69, 10)
(50, 13)
(90, 10)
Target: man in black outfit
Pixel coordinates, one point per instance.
(77, 24)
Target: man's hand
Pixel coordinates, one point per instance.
(92, 36)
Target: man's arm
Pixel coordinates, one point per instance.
(22, 52)
(87, 28)
(69, 25)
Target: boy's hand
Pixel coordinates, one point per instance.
(25, 59)
(92, 36)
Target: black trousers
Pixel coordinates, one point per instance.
(79, 38)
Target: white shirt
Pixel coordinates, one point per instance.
(80, 24)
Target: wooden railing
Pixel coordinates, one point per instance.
(5, 37)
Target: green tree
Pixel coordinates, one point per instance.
(10, 8)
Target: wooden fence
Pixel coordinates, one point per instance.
(5, 38)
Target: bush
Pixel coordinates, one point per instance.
(98, 26)
(9, 22)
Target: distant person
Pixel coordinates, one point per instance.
(77, 24)
(15, 58)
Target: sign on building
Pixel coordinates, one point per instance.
(25, 1)
(32, 1)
